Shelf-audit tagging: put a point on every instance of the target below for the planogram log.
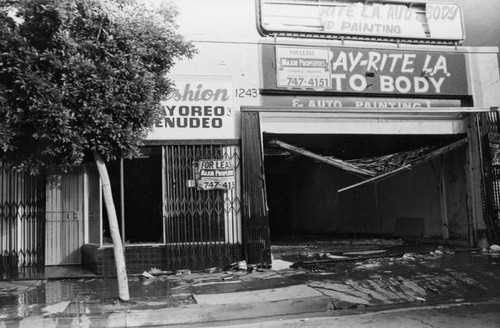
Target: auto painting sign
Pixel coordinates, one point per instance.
(199, 107)
(375, 71)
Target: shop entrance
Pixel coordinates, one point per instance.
(142, 201)
(307, 195)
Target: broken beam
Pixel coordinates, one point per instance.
(327, 160)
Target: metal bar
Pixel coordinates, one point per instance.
(372, 110)
(122, 200)
(327, 160)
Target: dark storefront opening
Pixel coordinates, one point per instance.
(304, 200)
(142, 197)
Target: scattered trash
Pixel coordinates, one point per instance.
(495, 248)
(55, 308)
(409, 256)
(280, 265)
(241, 265)
(331, 256)
(421, 299)
(340, 305)
(147, 275)
(155, 271)
(437, 252)
(432, 289)
(182, 272)
(483, 243)
(212, 270)
(379, 251)
(368, 266)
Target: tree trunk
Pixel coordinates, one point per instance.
(121, 271)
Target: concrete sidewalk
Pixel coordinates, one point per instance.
(321, 289)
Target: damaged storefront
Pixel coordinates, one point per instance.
(330, 119)
(368, 140)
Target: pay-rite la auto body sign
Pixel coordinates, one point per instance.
(214, 174)
(199, 107)
(368, 71)
(392, 19)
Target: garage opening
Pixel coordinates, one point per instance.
(410, 186)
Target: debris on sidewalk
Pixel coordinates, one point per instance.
(408, 256)
(369, 252)
(147, 275)
(366, 266)
(437, 252)
(494, 249)
(212, 270)
(483, 244)
(156, 271)
(278, 265)
(240, 265)
(182, 272)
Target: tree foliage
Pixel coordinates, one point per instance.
(78, 76)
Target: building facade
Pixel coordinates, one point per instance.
(314, 117)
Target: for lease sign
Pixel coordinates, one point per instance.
(213, 174)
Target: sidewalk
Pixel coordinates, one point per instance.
(312, 288)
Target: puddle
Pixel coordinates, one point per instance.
(88, 290)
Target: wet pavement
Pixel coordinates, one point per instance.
(324, 279)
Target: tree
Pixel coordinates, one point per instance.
(83, 79)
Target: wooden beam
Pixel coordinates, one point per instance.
(418, 161)
(327, 160)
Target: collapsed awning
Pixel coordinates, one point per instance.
(327, 160)
(420, 160)
(371, 176)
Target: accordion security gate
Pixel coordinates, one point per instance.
(202, 227)
(22, 225)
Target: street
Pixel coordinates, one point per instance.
(481, 314)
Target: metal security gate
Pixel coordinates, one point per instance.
(202, 227)
(490, 123)
(22, 225)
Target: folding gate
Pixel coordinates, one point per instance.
(22, 225)
(202, 227)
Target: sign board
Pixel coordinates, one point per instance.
(199, 107)
(301, 67)
(417, 20)
(212, 174)
(356, 102)
(366, 71)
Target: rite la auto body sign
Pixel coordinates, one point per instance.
(341, 69)
(213, 174)
(417, 20)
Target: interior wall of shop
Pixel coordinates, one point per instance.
(303, 198)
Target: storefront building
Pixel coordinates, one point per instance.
(297, 117)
